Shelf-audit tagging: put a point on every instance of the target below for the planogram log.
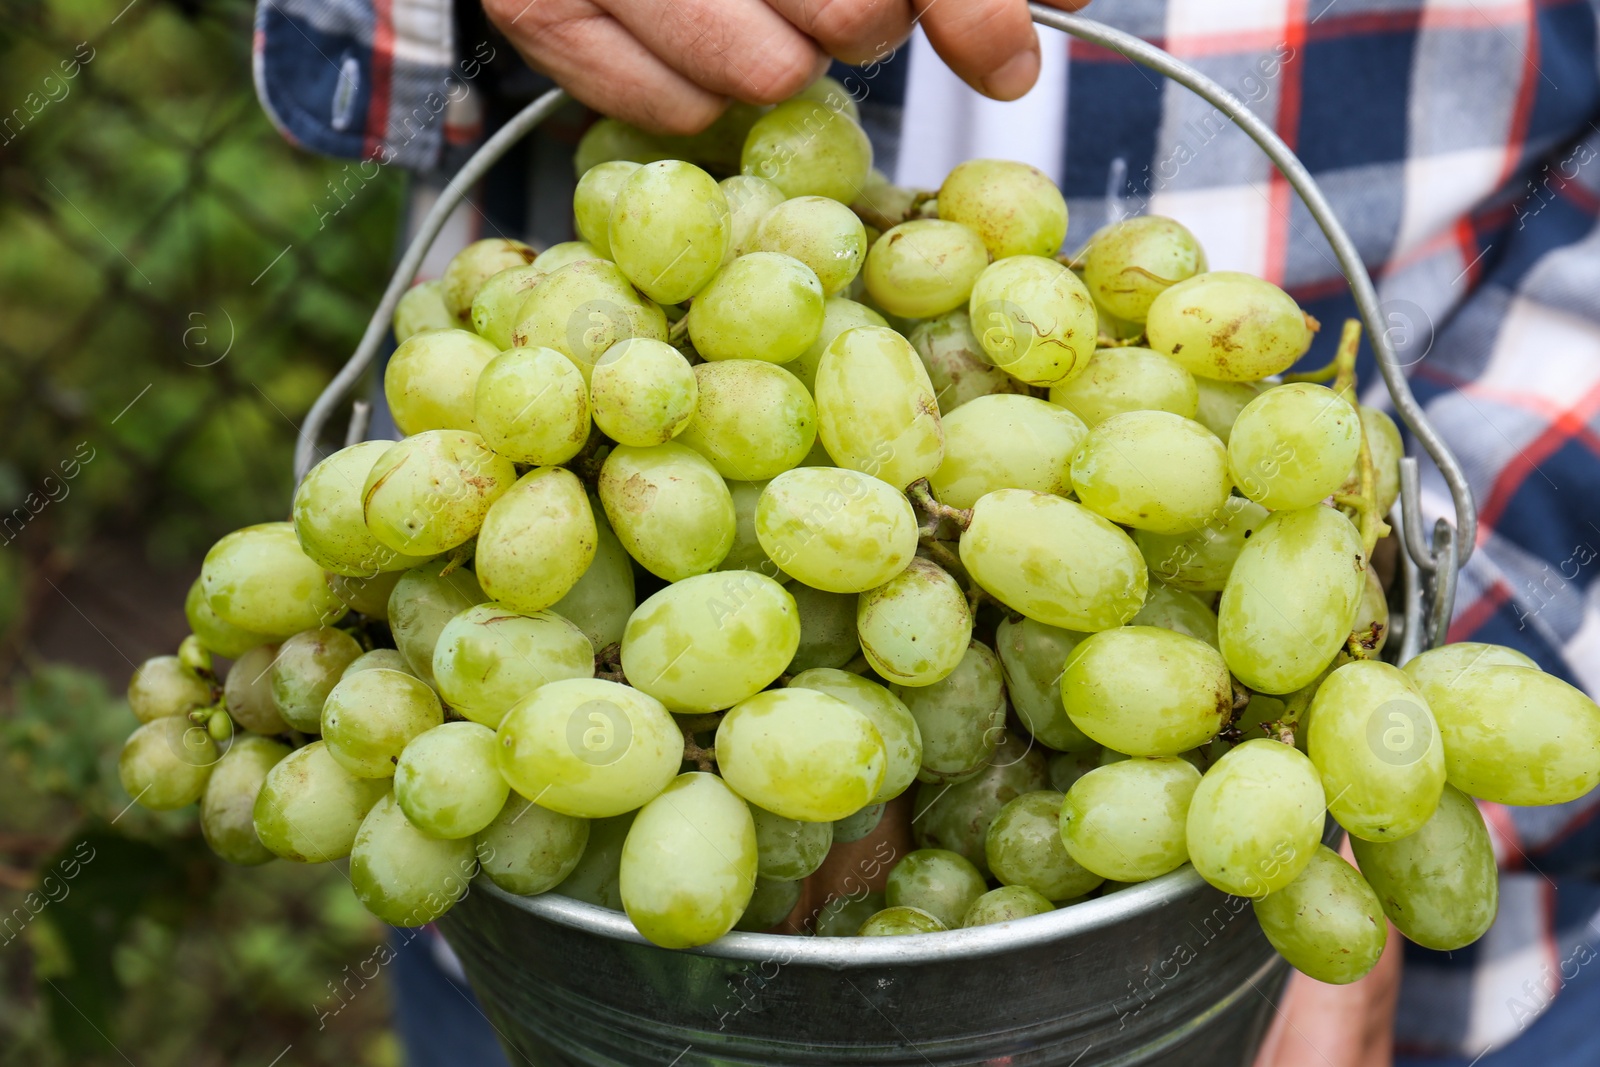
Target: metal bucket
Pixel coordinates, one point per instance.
(1170, 971)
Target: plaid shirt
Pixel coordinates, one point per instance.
(1456, 139)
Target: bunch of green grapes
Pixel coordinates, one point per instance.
(787, 506)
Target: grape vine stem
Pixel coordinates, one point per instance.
(704, 757)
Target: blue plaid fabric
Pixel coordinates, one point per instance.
(1457, 140)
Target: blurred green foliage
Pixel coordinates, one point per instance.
(171, 309)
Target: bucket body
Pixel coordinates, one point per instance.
(1170, 971)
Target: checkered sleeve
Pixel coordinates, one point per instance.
(369, 79)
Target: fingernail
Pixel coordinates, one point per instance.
(1013, 77)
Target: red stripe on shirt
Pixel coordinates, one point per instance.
(1522, 110)
(1288, 127)
(382, 75)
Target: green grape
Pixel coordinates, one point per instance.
(763, 305)
(533, 406)
(828, 636)
(1457, 664)
(1200, 560)
(1006, 904)
(879, 196)
(601, 602)
(752, 420)
(227, 807)
(924, 267)
(163, 686)
(379, 659)
(897, 727)
(1327, 923)
(1439, 885)
(564, 254)
(429, 493)
(489, 657)
(855, 827)
(1383, 441)
(1255, 819)
(537, 540)
(1066, 768)
(589, 748)
(328, 517)
(829, 91)
(876, 412)
(1377, 747)
(529, 850)
(610, 139)
(594, 880)
(643, 392)
(1006, 442)
(838, 315)
(958, 367)
(402, 875)
(165, 763)
(806, 148)
(1290, 598)
(689, 863)
(1513, 735)
(430, 380)
(1119, 380)
(1228, 325)
(1221, 402)
(216, 634)
(1129, 263)
(936, 881)
(1147, 691)
(593, 198)
(957, 817)
(307, 667)
(842, 916)
(1015, 208)
(584, 308)
(1176, 610)
(370, 717)
(423, 601)
(914, 629)
(1024, 847)
(770, 904)
(1053, 560)
(1152, 470)
(1034, 319)
(961, 718)
(447, 781)
(1125, 820)
(788, 849)
(310, 807)
(669, 507)
(476, 264)
(823, 234)
(1293, 445)
(1032, 655)
(707, 642)
(836, 530)
(899, 921)
(749, 199)
(260, 580)
(422, 308)
(802, 754)
(192, 655)
(747, 553)
(668, 229)
(368, 594)
(247, 693)
(494, 309)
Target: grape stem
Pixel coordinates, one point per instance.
(678, 332)
(608, 664)
(460, 555)
(703, 757)
(934, 513)
(1296, 703)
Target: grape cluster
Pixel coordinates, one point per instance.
(776, 497)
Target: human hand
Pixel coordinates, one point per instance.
(671, 66)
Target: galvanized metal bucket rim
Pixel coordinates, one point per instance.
(1450, 548)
